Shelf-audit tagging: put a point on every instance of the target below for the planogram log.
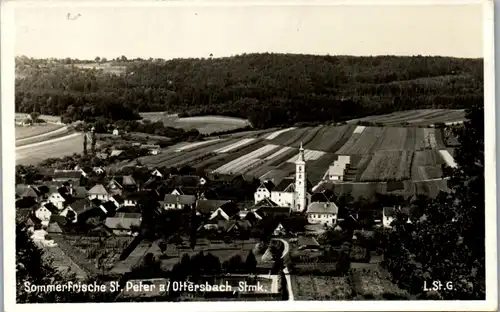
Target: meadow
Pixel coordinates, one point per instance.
(23, 133)
(204, 124)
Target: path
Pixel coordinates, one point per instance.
(44, 134)
(286, 271)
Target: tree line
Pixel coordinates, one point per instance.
(268, 89)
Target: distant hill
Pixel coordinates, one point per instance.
(268, 89)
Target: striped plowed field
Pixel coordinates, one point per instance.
(330, 138)
(276, 161)
(363, 143)
(389, 166)
(310, 135)
(417, 117)
(292, 137)
(221, 159)
(281, 172)
(393, 139)
(426, 165)
(248, 161)
(316, 169)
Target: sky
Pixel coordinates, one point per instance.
(196, 31)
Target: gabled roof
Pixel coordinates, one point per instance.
(266, 202)
(307, 241)
(116, 153)
(61, 220)
(109, 206)
(26, 202)
(237, 225)
(179, 199)
(30, 192)
(79, 192)
(286, 185)
(272, 211)
(128, 180)
(122, 222)
(185, 180)
(95, 202)
(98, 189)
(206, 206)
(67, 174)
(323, 208)
(268, 185)
(81, 205)
(54, 227)
(115, 182)
(51, 207)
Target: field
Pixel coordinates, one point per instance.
(33, 131)
(373, 284)
(389, 166)
(47, 118)
(35, 153)
(105, 67)
(204, 124)
(419, 117)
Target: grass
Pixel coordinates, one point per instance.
(38, 153)
(47, 118)
(419, 117)
(27, 132)
(375, 284)
(58, 133)
(204, 124)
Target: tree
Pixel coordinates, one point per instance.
(163, 246)
(85, 143)
(34, 116)
(454, 226)
(93, 143)
(251, 262)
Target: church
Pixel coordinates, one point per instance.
(293, 192)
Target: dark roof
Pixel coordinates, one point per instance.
(287, 184)
(273, 211)
(67, 174)
(179, 199)
(232, 225)
(87, 169)
(185, 180)
(98, 189)
(54, 227)
(323, 208)
(61, 220)
(266, 202)
(81, 205)
(119, 199)
(109, 206)
(95, 202)
(389, 211)
(79, 192)
(207, 206)
(44, 189)
(115, 182)
(135, 195)
(26, 202)
(269, 185)
(128, 180)
(51, 207)
(307, 241)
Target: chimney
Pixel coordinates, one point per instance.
(71, 190)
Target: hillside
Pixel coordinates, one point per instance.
(268, 89)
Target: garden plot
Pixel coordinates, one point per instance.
(311, 287)
(308, 155)
(241, 143)
(389, 166)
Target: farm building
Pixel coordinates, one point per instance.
(67, 176)
(172, 201)
(44, 212)
(337, 170)
(263, 191)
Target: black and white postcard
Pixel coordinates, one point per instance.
(212, 156)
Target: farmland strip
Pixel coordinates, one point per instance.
(195, 144)
(236, 145)
(278, 132)
(448, 158)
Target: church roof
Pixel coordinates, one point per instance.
(287, 185)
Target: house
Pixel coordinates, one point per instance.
(26, 203)
(27, 191)
(99, 170)
(132, 199)
(336, 173)
(86, 171)
(224, 212)
(280, 230)
(81, 208)
(307, 242)
(79, 192)
(153, 149)
(99, 192)
(102, 155)
(272, 211)
(186, 181)
(208, 206)
(124, 223)
(58, 197)
(45, 211)
(322, 213)
(172, 201)
(67, 176)
(116, 132)
(251, 216)
(263, 191)
(237, 226)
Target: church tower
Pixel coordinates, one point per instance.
(300, 181)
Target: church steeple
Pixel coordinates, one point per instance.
(300, 181)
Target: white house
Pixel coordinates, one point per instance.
(44, 212)
(322, 213)
(157, 173)
(263, 191)
(98, 192)
(336, 173)
(57, 199)
(178, 201)
(98, 170)
(116, 132)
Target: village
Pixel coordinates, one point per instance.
(97, 223)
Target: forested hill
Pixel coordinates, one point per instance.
(269, 89)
